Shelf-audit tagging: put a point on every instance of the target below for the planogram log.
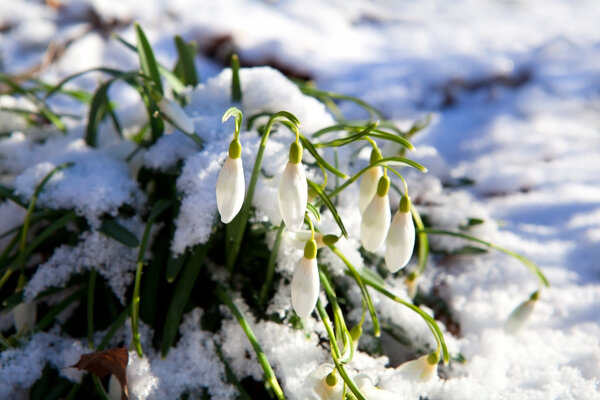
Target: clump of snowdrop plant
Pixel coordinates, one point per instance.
(188, 238)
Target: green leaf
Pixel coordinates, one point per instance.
(174, 265)
(311, 149)
(236, 89)
(185, 64)
(118, 232)
(147, 60)
(314, 211)
(182, 293)
(327, 201)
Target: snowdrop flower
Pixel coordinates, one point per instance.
(25, 315)
(176, 115)
(369, 181)
(372, 392)
(422, 369)
(376, 218)
(298, 239)
(231, 185)
(293, 190)
(325, 384)
(114, 388)
(305, 282)
(519, 317)
(401, 238)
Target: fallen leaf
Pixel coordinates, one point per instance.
(102, 363)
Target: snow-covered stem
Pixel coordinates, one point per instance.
(270, 378)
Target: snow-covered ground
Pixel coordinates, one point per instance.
(514, 89)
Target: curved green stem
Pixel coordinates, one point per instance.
(423, 241)
(525, 261)
(270, 377)
(363, 289)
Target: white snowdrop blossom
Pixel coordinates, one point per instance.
(305, 282)
(114, 388)
(372, 392)
(376, 218)
(369, 181)
(293, 190)
(325, 384)
(231, 185)
(176, 115)
(25, 315)
(520, 315)
(401, 238)
(422, 369)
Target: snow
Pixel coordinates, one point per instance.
(514, 89)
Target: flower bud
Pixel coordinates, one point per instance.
(422, 369)
(368, 187)
(519, 317)
(376, 218)
(305, 282)
(231, 185)
(25, 315)
(411, 285)
(293, 190)
(176, 115)
(401, 238)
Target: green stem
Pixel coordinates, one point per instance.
(90, 307)
(271, 265)
(525, 261)
(336, 353)
(270, 377)
(363, 289)
(135, 306)
(433, 326)
(340, 324)
(423, 241)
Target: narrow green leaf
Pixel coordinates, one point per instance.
(311, 149)
(58, 87)
(147, 60)
(118, 232)
(236, 88)
(271, 265)
(49, 317)
(314, 211)
(97, 112)
(161, 206)
(8, 193)
(182, 293)
(174, 265)
(327, 201)
(186, 62)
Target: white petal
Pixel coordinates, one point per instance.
(293, 194)
(114, 388)
(368, 187)
(25, 316)
(419, 370)
(400, 241)
(231, 188)
(375, 223)
(316, 379)
(519, 317)
(372, 392)
(175, 113)
(305, 287)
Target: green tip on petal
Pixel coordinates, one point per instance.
(534, 296)
(296, 153)
(331, 379)
(375, 155)
(235, 149)
(412, 276)
(383, 186)
(433, 358)
(310, 249)
(405, 204)
(330, 239)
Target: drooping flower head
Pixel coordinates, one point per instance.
(422, 369)
(305, 282)
(25, 315)
(325, 383)
(293, 190)
(401, 237)
(369, 181)
(520, 315)
(376, 218)
(231, 185)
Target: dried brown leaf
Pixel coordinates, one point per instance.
(112, 361)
